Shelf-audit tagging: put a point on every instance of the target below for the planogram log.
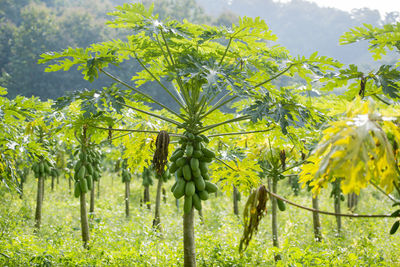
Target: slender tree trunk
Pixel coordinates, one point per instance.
(69, 183)
(164, 193)
(188, 240)
(337, 209)
(274, 213)
(52, 183)
(92, 195)
(316, 220)
(127, 194)
(39, 203)
(58, 179)
(21, 188)
(157, 220)
(235, 201)
(146, 197)
(98, 188)
(42, 185)
(84, 221)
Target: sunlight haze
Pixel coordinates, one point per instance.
(384, 6)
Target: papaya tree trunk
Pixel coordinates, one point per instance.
(336, 198)
(42, 185)
(69, 183)
(316, 220)
(98, 188)
(188, 240)
(84, 221)
(39, 203)
(235, 201)
(92, 194)
(146, 197)
(52, 183)
(157, 220)
(127, 194)
(21, 188)
(164, 193)
(274, 214)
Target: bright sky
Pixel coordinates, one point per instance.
(383, 6)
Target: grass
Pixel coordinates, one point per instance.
(118, 241)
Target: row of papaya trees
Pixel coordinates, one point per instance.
(287, 119)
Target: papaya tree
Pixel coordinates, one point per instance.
(202, 68)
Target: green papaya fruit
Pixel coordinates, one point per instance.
(196, 201)
(187, 172)
(200, 184)
(190, 189)
(203, 195)
(211, 187)
(281, 204)
(179, 190)
(187, 206)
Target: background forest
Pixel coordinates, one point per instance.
(29, 28)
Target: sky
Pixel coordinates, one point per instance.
(383, 6)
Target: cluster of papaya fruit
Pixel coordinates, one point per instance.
(87, 170)
(189, 162)
(42, 168)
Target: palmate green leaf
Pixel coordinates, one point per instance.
(381, 39)
(284, 109)
(95, 103)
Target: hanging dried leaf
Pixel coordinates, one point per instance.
(253, 212)
(161, 152)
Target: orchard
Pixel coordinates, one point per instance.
(250, 166)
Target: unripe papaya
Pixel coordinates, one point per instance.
(200, 184)
(82, 172)
(173, 186)
(173, 167)
(83, 185)
(189, 150)
(41, 168)
(196, 202)
(205, 159)
(77, 189)
(203, 195)
(179, 190)
(205, 138)
(208, 153)
(89, 181)
(187, 206)
(180, 162)
(89, 169)
(177, 154)
(203, 166)
(211, 187)
(179, 172)
(196, 173)
(190, 189)
(194, 164)
(281, 204)
(187, 172)
(197, 153)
